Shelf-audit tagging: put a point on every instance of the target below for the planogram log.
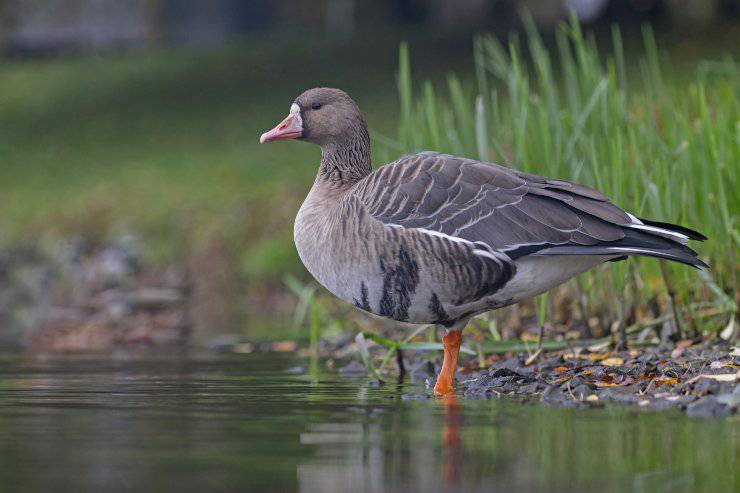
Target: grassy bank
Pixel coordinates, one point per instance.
(163, 144)
(662, 146)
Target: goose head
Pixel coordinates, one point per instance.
(323, 116)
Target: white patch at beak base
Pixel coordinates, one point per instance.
(295, 110)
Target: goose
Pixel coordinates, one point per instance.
(437, 239)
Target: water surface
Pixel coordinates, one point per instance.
(245, 423)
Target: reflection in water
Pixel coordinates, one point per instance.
(244, 424)
(451, 443)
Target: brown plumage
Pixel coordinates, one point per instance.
(434, 238)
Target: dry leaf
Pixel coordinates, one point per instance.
(615, 361)
(592, 397)
(665, 381)
(243, 348)
(283, 346)
(560, 368)
(527, 337)
(681, 347)
(606, 384)
(573, 334)
(722, 377)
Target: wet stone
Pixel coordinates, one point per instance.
(555, 396)
(529, 388)
(582, 391)
(661, 404)
(730, 400)
(707, 407)
(706, 386)
(353, 368)
(619, 394)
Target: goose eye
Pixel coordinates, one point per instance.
(315, 106)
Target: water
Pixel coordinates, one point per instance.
(245, 424)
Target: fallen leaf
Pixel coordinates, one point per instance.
(606, 384)
(722, 377)
(722, 364)
(665, 381)
(283, 346)
(527, 337)
(681, 347)
(243, 348)
(559, 380)
(614, 361)
(592, 398)
(560, 368)
(587, 372)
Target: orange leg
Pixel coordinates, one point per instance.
(446, 380)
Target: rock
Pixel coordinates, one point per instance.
(730, 400)
(661, 404)
(528, 389)
(707, 407)
(619, 394)
(706, 386)
(353, 368)
(582, 391)
(503, 372)
(514, 363)
(555, 396)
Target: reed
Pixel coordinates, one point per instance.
(662, 147)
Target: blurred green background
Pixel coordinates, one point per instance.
(135, 125)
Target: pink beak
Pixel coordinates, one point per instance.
(290, 128)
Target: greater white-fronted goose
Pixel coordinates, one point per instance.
(437, 239)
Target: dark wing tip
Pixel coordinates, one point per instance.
(694, 235)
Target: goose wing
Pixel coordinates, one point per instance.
(513, 214)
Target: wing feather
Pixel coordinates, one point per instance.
(508, 211)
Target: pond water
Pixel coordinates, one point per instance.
(228, 423)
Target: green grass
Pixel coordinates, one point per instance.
(163, 143)
(154, 140)
(661, 146)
